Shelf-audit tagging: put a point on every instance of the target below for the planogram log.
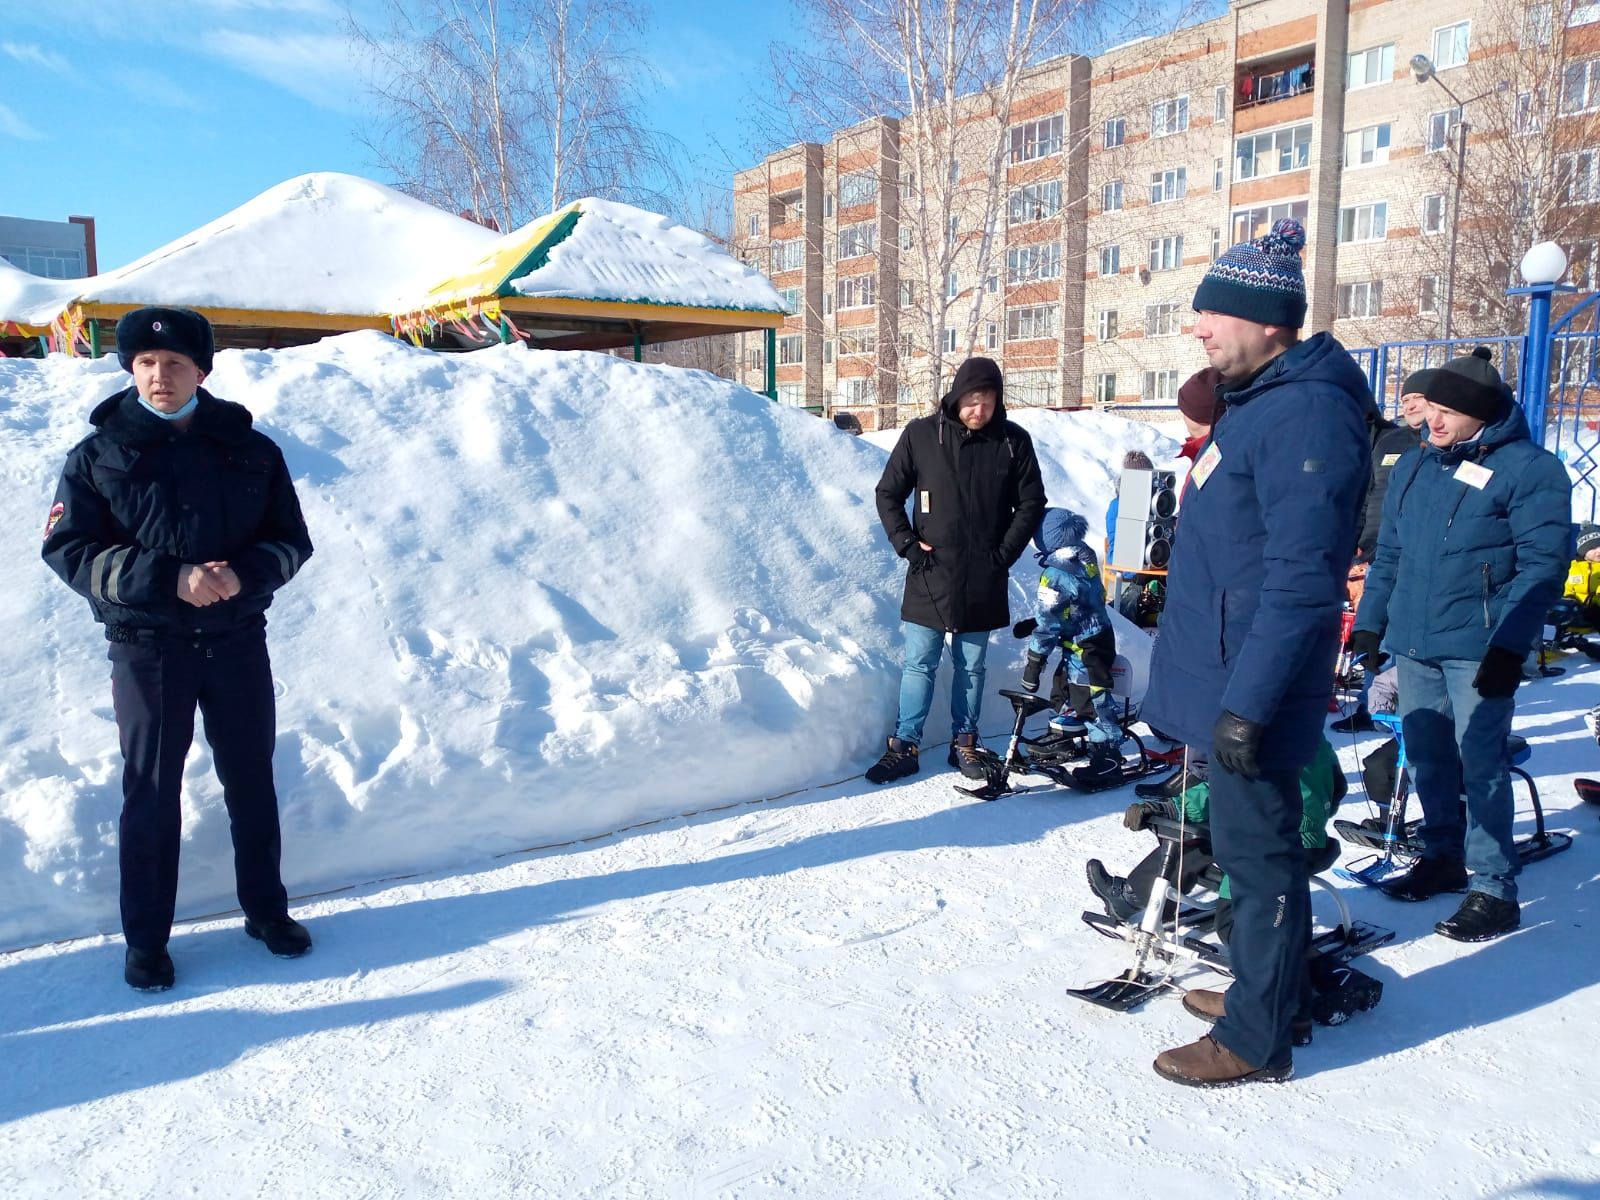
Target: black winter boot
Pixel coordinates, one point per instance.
(285, 936)
(1113, 891)
(966, 753)
(898, 761)
(1104, 765)
(147, 970)
(1031, 671)
(1481, 917)
(1430, 877)
(1359, 721)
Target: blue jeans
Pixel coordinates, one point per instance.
(1454, 736)
(924, 647)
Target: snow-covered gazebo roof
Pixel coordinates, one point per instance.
(597, 274)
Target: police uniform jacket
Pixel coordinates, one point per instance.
(138, 498)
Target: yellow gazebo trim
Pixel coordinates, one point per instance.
(627, 310)
(98, 310)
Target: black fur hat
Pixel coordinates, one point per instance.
(179, 329)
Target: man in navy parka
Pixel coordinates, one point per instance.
(1243, 666)
(1472, 552)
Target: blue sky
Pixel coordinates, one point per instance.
(155, 116)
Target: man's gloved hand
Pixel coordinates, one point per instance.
(1137, 816)
(918, 559)
(1236, 744)
(1024, 628)
(1364, 649)
(1498, 674)
(1031, 670)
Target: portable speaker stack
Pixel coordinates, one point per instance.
(1147, 512)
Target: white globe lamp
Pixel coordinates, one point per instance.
(1545, 262)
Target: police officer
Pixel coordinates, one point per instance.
(178, 522)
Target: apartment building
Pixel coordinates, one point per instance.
(54, 249)
(1131, 170)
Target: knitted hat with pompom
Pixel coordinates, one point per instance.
(1259, 280)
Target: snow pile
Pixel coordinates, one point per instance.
(318, 243)
(618, 252)
(32, 299)
(553, 594)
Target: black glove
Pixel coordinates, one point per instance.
(1498, 674)
(1137, 816)
(1364, 649)
(1236, 744)
(1030, 672)
(1024, 628)
(918, 559)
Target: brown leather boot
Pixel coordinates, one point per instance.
(966, 754)
(1209, 1006)
(1208, 1064)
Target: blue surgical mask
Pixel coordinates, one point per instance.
(186, 411)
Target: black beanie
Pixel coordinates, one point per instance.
(1417, 381)
(178, 329)
(1588, 539)
(1471, 386)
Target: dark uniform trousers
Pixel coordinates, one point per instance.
(1255, 836)
(155, 687)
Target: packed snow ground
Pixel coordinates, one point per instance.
(556, 595)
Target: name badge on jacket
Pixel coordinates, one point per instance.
(1473, 475)
(1204, 465)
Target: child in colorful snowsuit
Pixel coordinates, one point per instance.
(1070, 614)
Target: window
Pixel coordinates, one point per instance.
(791, 350)
(949, 340)
(1027, 263)
(908, 294)
(1110, 260)
(788, 256)
(755, 224)
(1220, 108)
(1033, 388)
(1580, 86)
(1450, 45)
(858, 341)
(952, 286)
(1428, 295)
(856, 291)
(1105, 387)
(1440, 126)
(1216, 244)
(1583, 14)
(1526, 118)
(1111, 196)
(1166, 253)
(905, 235)
(991, 283)
(827, 351)
(1578, 177)
(1216, 175)
(827, 304)
(1273, 152)
(1171, 184)
(1107, 324)
(1538, 27)
(1366, 68)
(1433, 213)
(1032, 321)
(827, 204)
(952, 229)
(1366, 147)
(1364, 222)
(1169, 116)
(955, 171)
(1034, 202)
(858, 187)
(1161, 320)
(1160, 387)
(1363, 299)
(791, 299)
(991, 335)
(1036, 139)
(856, 240)
(1249, 223)
(793, 395)
(856, 392)
(1115, 132)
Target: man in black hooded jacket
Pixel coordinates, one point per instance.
(976, 499)
(178, 522)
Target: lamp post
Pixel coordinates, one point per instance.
(1422, 67)
(1542, 267)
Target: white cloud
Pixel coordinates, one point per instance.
(154, 88)
(12, 125)
(29, 54)
(315, 67)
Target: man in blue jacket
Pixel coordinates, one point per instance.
(1473, 551)
(1243, 667)
(177, 522)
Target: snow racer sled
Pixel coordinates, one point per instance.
(1053, 757)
